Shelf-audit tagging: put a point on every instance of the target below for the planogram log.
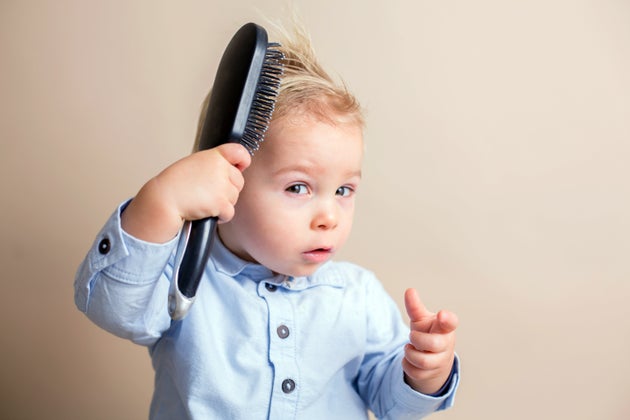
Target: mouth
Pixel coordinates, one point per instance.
(318, 255)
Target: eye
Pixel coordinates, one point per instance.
(297, 189)
(344, 191)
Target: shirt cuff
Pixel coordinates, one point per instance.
(126, 258)
(440, 392)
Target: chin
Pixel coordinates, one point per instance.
(308, 271)
(300, 271)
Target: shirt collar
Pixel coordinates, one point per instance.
(228, 263)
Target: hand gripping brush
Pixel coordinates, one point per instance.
(239, 110)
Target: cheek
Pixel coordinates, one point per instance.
(261, 218)
(346, 226)
(269, 240)
(279, 224)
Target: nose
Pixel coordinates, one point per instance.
(326, 216)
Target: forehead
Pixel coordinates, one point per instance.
(305, 137)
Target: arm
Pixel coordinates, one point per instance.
(122, 285)
(382, 381)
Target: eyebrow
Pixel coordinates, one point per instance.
(308, 169)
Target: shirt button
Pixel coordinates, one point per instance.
(288, 386)
(271, 287)
(283, 331)
(104, 246)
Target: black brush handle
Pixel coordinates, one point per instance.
(191, 256)
(196, 255)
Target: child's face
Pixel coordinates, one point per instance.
(296, 208)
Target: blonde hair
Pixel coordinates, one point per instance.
(305, 88)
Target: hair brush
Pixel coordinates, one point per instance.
(239, 110)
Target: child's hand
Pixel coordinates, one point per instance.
(430, 353)
(203, 184)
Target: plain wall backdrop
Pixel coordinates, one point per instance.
(495, 182)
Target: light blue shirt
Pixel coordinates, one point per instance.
(255, 345)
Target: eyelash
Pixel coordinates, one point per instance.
(295, 188)
(343, 191)
(349, 191)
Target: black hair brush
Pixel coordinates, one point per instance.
(239, 110)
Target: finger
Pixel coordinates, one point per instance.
(424, 360)
(446, 322)
(236, 154)
(226, 203)
(415, 308)
(226, 214)
(429, 342)
(236, 178)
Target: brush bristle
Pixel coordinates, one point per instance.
(264, 99)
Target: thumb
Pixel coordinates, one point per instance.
(415, 308)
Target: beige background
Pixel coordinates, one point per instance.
(496, 182)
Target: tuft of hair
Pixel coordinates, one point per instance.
(306, 87)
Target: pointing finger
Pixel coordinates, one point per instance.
(415, 308)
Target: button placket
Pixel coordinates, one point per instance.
(282, 348)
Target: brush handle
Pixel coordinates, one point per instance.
(193, 250)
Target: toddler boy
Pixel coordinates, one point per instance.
(278, 329)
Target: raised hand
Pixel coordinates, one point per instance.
(203, 184)
(430, 353)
